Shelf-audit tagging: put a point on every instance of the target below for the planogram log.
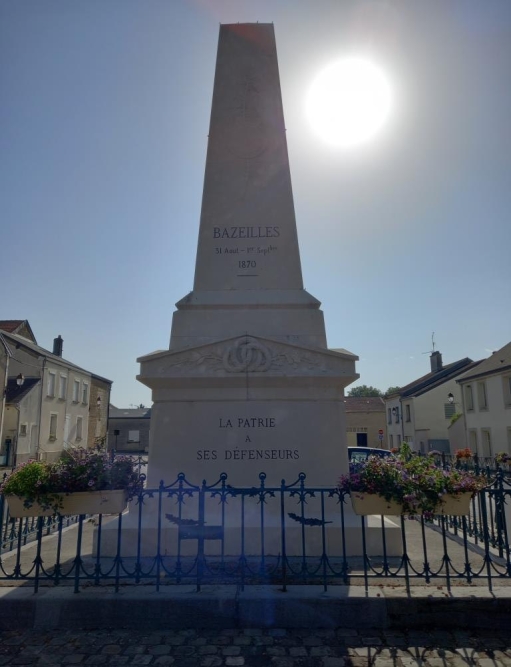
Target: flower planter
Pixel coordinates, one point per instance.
(80, 502)
(455, 505)
(372, 503)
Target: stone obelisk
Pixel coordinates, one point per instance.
(248, 384)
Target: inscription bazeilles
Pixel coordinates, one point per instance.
(250, 252)
(246, 232)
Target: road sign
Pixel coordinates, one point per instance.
(380, 436)
(380, 431)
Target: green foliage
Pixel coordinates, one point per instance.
(30, 478)
(78, 469)
(455, 417)
(392, 390)
(363, 390)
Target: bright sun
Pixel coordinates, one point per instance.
(348, 102)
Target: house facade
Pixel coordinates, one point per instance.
(486, 404)
(421, 412)
(47, 399)
(365, 418)
(97, 433)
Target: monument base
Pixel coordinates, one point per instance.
(149, 536)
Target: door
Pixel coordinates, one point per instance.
(361, 439)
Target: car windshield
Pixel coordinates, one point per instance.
(357, 454)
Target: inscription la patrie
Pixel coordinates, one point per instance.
(248, 422)
(249, 454)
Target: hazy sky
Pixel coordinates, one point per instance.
(104, 113)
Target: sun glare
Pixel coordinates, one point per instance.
(348, 102)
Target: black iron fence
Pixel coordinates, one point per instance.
(287, 534)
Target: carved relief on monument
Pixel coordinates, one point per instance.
(247, 354)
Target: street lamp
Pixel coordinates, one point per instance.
(450, 398)
(20, 379)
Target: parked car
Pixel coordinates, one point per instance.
(356, 454)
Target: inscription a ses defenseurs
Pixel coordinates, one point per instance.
(238, 454)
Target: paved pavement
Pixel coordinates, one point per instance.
(257, 648)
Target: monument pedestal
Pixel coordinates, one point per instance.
(247, 405)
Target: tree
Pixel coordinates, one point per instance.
(392, 390)
(363, 390)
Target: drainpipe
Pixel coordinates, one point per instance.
(107, 418)
(402, 420)
(14, 451)
(40, 408)
(464, 412)
(8, 354)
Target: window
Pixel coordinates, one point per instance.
(486, 438)
(133, 436)
(396, 414)
(76, 391)
(391, 441)
(53, 427)
(509, 439)
(506, 389)
(399, 441)
(51, 384)
(23, 429)
(85, 393)
(481, 396)
(389, 416)
(407, 412)
(449, 410)
(79, 428)
(469, 397)
(472, 440)
(63, 387)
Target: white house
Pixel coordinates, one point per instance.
(421, 412)
(486, 404)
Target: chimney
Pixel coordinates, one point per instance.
(57, 346)
(436, 362)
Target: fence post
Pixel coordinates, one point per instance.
(499, 512)
(283, 535)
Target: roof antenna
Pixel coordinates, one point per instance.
(432, 344)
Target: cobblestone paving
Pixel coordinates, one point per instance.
(257, 648)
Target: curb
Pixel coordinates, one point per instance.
(221, 607)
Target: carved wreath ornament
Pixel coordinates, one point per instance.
(247, 355)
